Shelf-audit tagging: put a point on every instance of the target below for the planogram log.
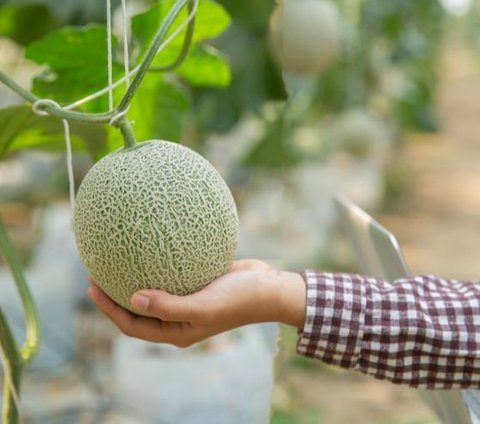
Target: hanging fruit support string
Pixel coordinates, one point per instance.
(15, 359)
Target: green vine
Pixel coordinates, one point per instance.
(16, 359)
(185, 47)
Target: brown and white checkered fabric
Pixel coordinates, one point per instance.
(421, 331)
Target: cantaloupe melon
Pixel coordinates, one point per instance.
(155, 216)
(306, 35)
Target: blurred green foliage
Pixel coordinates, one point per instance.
(15, 18)
(413, 32)
(68, 11)
(256, 78)
(380, 36)
(230, 72)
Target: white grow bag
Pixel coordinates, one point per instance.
(232, 384)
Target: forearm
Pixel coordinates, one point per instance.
(423, 331)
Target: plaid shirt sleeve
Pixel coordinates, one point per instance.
(421, 331)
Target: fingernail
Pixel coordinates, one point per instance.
(140, 302)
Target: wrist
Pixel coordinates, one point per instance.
(292, 299)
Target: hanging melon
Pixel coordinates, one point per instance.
(306, 35)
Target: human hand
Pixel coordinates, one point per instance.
(251, 292)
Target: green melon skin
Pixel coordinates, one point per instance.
(155, 216)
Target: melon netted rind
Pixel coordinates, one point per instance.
(156, 216)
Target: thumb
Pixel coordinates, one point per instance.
(163, 305)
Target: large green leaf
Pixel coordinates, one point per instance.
(159, 109)
(76, 61)
(22, 129)
(204, 66)
(211, 21)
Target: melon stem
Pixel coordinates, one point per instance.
(125, 127)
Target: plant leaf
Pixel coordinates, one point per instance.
(22, 129)
(159, 109)
(76, 61)
(204, 66)
(211, 20)
(25, 23)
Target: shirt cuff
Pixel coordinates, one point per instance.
(335, 318)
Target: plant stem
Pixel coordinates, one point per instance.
(125, 127)
(187, 42)
(12, 372)
(15, 359)
(32, 338)
(150, 55)
(7, 341)
(11, 380)
(17, 88)
(100, 118)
